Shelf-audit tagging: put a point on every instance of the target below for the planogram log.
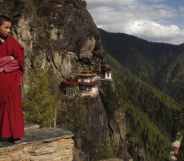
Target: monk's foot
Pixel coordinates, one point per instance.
(5, 144)
(10, 141)
(18, 141)
(15, 140)
(1, 144)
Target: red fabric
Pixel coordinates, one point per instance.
(11, 114)
(8, 65)
(11, 66)
(5, 60)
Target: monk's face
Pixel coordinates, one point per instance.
(5, 28)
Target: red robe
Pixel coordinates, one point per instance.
(8, 65)
(11, 114)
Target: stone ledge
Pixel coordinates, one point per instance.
(41, 144)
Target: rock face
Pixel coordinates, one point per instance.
(53, 29)
(41, 145)
(60, 36)
(99, 133)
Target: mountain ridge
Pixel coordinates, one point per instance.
(159, 64)
(137, 37)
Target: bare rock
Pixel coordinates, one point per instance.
(41, 144)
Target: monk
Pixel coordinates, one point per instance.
(11, 82)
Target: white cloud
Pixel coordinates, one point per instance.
(152, 28)
(111, 2)
(155, 32)
(149, 19)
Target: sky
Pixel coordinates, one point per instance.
(152, 20)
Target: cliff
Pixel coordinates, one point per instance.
(123, 117)
(61, 41)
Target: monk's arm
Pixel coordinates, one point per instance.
(5, 60)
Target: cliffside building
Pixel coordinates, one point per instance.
(106, 73)
(70, 87)
(88, 84)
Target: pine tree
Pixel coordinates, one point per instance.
(40, 104)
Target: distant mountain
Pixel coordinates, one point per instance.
(145, 74)
(152, 117)
(159, 64)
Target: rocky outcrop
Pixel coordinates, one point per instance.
(53, 29)
(45, 144)
(60, 36)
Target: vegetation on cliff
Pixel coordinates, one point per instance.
(152, 117)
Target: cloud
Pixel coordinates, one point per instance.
(110, 2)
(153, 20)
(155, 32)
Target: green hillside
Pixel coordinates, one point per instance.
(159, 64)
(152, 117)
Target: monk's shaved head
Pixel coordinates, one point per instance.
(5, 26)
(4, 18)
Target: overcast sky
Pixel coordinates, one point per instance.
(153, 20)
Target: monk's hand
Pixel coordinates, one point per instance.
(12, 58)
(1, 69)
